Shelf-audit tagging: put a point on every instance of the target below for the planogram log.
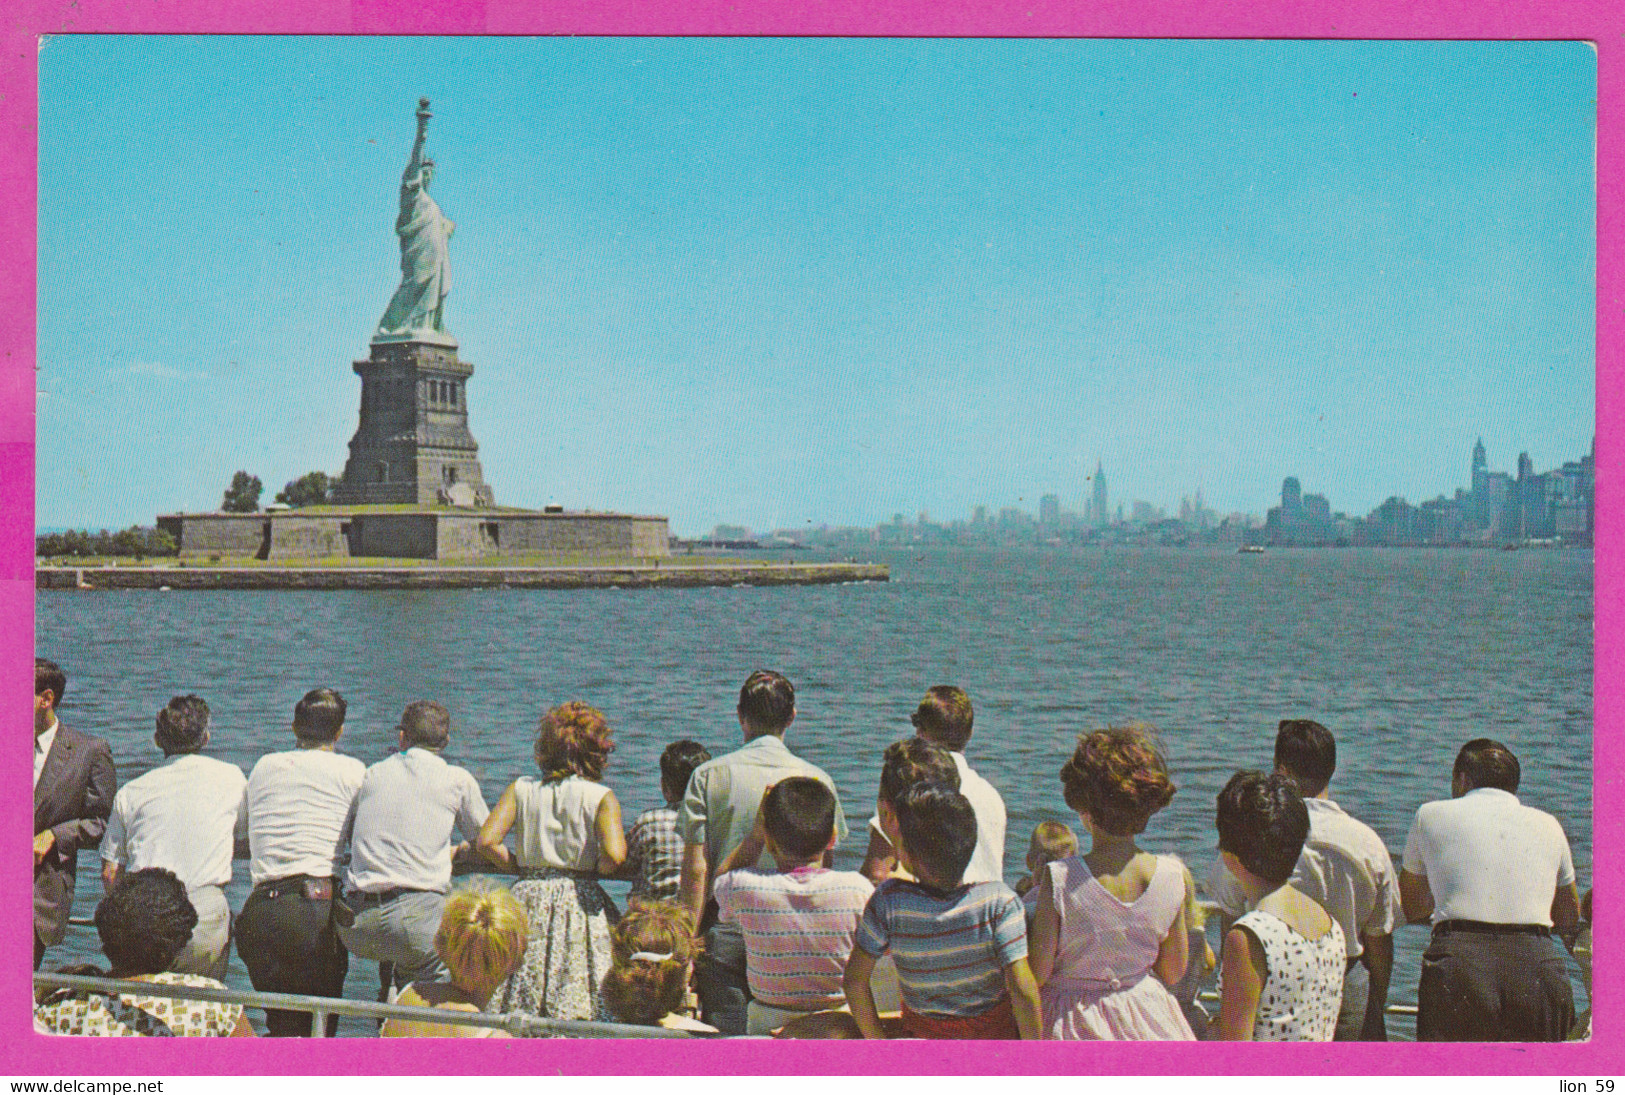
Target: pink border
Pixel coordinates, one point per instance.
(23, 1053)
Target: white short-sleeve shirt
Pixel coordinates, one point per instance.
(987, 861)
(404, 815)
(1487, 857)
(184, 815)
(1344, 866)
(300, 805)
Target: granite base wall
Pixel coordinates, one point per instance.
(470, 535)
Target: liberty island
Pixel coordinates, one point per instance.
(413, 490)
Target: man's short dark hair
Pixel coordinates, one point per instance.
(145, 922)
(49, 675)
(945, 716)
(183, 725)
(425, 724)
(677, 764)
(798, 815)
(1263, 822)
(915, 760)
(319, 716)
(1306, 751)
(767, 703)
(1488, 763)
(938, 830)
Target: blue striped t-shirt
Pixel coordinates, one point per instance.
(950, 950)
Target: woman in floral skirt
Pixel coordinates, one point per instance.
(568, 835)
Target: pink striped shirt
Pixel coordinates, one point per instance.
(798, 929)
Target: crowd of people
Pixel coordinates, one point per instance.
(737, 922)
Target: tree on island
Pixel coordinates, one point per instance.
(135, 540)
(308, 490)
(243, 496)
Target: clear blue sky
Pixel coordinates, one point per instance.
(779, 281)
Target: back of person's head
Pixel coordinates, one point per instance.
(1263, 822)
(651, 949)
(482, 936)
(1486, 763)
(319, 716)
(677, 763)
(798, 815)
(1051, 841)
(425, 724)
(945, 716)
(1306, 751)
(574, 739)
(145, 921)
(1118, 777)
(911, 761)
(183, 725)
(938, 829)
(49, 676)
(767, 703)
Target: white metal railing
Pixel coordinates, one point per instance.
(519, 1024)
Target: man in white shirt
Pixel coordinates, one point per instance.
(945, 717)
(300, 806)
(401, 849)
(1344, 866)
(185, 815)
(1495, 876)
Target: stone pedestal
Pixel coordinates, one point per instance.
(413, 444)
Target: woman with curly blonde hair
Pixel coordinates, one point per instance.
(568, 835)
(1109, 935)
(482, 939)
(653, 949)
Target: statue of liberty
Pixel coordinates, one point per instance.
(418, 306)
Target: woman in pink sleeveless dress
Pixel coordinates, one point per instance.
(1109, 936)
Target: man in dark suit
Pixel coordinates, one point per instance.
(73, 792)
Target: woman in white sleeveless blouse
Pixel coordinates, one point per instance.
(1281, 974)
(569, 835)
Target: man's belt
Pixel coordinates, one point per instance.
(359, 899)
(311, 887)
(1481, 927)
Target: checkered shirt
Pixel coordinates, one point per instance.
(655, 852)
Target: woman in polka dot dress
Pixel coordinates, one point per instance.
(1283, 962)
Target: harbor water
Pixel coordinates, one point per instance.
(1404, 654)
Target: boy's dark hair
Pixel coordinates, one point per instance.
(319, 716)
(915, 760)
(677, 764)
(145, 921)
(767, 703)
(945, 716)
(798, 815)
(1488, 763)
(425, 724)
(183, 725)
(1263, 822)
(938, 830)
(1306, 751)
(47, 674)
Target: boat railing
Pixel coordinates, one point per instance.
(518, 1024)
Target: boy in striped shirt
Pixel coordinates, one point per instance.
(798, 922)
(960, 949)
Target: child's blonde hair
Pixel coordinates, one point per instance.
(482, 935)
(651, 949)
(1051, 841)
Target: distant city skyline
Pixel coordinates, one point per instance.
(780, 282)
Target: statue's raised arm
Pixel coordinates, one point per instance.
(418, 305)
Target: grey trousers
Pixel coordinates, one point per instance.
(209, 949)
(1356, 991)
(400, 932)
